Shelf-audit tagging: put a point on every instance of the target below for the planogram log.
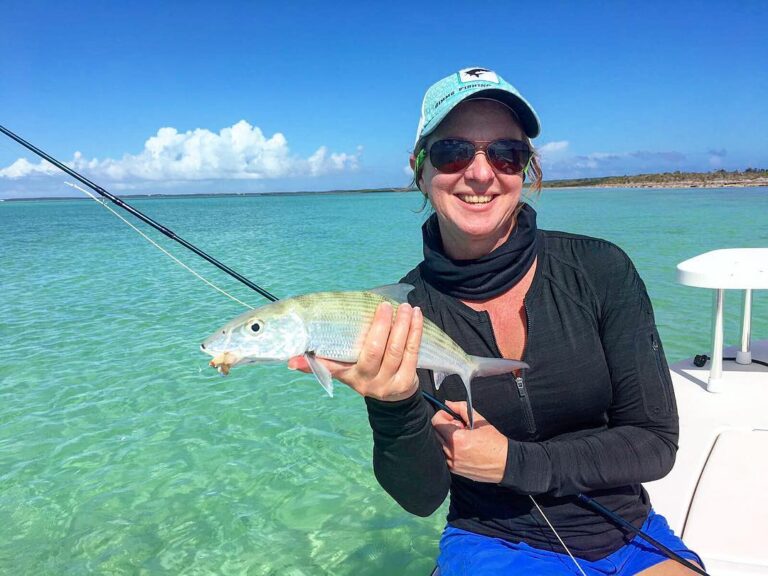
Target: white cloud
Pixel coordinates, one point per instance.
(23, 167)
(552, 148)
(238, 152)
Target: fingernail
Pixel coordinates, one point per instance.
(416, 311)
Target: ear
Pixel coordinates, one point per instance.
(412, 161)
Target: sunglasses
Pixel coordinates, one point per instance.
(505, 156)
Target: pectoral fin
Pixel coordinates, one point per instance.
(321, 372)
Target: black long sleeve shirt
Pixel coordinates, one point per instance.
(595, 413)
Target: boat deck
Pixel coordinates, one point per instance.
(716, 494)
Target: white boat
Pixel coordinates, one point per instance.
(716, 496)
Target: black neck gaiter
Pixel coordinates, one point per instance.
(487, 276)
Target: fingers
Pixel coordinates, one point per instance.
(334, 367)
(461, 409)
(386, 368)
(479, 454)
(443, 419)
(375, 343)
(298, 363)
(402, 352)
(413, 342)
(445, 432)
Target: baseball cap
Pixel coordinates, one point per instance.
(444, 95)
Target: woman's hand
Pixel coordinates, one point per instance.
(479, 454)
(386, 367)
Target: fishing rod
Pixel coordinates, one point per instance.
(138, 214)
(616, 519)
(172, 235)
(271, 297)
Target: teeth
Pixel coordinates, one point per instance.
(475, 199)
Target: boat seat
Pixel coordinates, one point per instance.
(729, 510)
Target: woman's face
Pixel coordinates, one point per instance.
(475, 207)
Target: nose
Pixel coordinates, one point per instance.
(202, 346)
(479, 170)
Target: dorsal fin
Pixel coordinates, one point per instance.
(396, 292)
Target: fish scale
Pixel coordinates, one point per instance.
(337, 324)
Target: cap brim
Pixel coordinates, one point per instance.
(528, 118)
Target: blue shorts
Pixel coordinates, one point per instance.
(463, 553)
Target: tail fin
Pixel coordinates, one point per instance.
(494, 366)
(486, 367)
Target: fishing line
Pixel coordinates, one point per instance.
(140, 215)
(175, 237)
(156, 245)
(556, 534)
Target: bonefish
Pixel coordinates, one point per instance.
(333, 325)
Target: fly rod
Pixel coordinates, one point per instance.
(138, 214)
(616, 519)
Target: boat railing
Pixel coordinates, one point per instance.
(720, 270)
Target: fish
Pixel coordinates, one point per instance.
(334, 325)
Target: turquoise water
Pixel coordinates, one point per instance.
(122, 453)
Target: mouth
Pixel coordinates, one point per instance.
(476, 199)
(223, 362)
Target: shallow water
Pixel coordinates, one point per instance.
(122, 453)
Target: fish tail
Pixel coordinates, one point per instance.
(486, 367)
(466, 377)
(494, 366)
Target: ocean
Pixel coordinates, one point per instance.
(122, 452)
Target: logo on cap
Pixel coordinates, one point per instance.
(474, 74)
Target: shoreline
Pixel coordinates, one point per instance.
(757, 183)
(665, 185)
(554, 184)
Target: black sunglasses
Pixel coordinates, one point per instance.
(506, 156)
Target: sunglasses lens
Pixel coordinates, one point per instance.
(451, 155)
(509, 156)
(506, 156)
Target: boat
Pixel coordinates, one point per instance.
(716, 496)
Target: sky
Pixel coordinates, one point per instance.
(201, 97)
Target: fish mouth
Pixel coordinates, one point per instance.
(223, 361)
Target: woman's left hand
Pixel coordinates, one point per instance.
(479, 454)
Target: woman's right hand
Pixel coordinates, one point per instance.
(386, 367)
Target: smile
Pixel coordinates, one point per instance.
(474, 199)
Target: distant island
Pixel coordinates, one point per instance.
(714, 179)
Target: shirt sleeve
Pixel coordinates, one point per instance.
(408, 460)
(640, 442)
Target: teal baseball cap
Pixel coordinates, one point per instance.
(444, 95)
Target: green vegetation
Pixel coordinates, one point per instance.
(714, 179)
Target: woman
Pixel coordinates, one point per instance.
(594, 414)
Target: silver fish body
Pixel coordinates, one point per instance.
(333, 325)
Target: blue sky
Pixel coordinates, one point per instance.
(318, 96)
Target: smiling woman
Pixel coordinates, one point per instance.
(593, 417)
(475, 206)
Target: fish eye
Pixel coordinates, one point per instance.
(256, 327)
